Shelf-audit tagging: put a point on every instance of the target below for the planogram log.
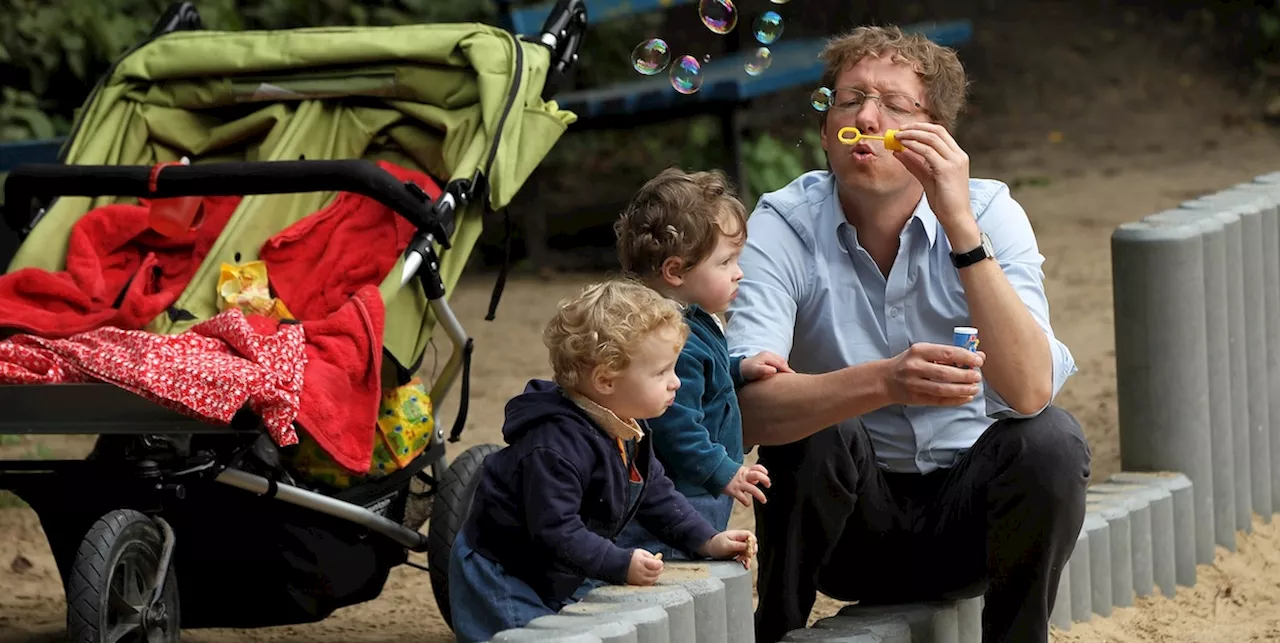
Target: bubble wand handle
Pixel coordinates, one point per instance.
(890, 138)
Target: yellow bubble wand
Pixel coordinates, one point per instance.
(890, 138)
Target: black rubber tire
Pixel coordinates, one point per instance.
(456, 489)
(121, 538)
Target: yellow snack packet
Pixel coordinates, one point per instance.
(245, 286)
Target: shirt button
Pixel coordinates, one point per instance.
(893, 312)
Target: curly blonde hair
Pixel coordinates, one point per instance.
(678, 214)
(603, 324)
(938, 67)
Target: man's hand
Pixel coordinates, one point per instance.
(937, 161)
(645, 568)
(738, 544)
(762, 365)
(743, 484)
(934, 375)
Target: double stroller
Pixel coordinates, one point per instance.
(261, 469)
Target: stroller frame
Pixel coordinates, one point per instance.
(170, 463)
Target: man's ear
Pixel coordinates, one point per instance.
(672, 271)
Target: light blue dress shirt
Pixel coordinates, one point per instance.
(812, 294)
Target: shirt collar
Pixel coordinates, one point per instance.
(923, 213)
(608, 420)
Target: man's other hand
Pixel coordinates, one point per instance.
(934, 375)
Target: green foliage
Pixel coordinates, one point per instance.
(771, 163)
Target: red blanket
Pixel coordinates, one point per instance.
(326, 269)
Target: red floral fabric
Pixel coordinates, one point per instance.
(209, 372)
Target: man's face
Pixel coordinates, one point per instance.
(868, 166)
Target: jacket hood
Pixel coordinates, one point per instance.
(540, 401)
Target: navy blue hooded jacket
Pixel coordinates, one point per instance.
(549, 505)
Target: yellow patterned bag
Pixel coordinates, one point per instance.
(404, 430)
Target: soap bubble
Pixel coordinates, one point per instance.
(821, 99)
(686, 75)
(779, 1)
(719, 16)
(767, 27)
(759, 61)
(651, 56)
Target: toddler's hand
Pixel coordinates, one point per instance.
(743, 485)
(762, 365)
(738, 544)
(645, 568)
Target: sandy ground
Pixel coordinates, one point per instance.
(1150, 128)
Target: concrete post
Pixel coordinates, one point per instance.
(1118, 532)
(834, 636)
(1081, 576)
(894, 628)
(930, 622)
(1184, 533)
(651, 621)
(544, 636)
(677, 601)
(737, 595)
(1162, 358)
(1220, 346)
(1139, 509)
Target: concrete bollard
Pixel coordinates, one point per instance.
(1118, 532)
(1184, 533)
(1060, 615)
(1237, 336)
(738, 605)
(1081, 578)
(832, 636)
(652, 625)
(524, 635)
(1163, 558)
(1271, 193)
(969, 619)
(709, 607)
(892, 628)
(1139, 509)
(1254, 216)
(1162, 357)
(1223, 344)
(676, 601)
(929, 622)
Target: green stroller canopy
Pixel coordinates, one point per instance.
(455, 101)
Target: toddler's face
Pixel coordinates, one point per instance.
(713, 283)
(648, 385)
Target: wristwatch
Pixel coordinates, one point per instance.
(983, 251)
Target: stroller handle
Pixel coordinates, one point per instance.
(43, 181)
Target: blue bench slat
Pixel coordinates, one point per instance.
(795, 63)
(528, 20)
(16, 153)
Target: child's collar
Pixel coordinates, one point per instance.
(608, 420)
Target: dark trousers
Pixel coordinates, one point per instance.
(1003, 520)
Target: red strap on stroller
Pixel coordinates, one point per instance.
(155, 174)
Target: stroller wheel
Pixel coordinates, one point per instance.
(112, 583)
(454, 493)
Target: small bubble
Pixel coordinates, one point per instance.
(651, 56)
(706, 58)
(759, 62)
(720, 16)
(779, 1)
(767, 27)
(821, 99)
(686, 75)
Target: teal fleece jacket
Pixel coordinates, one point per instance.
(699, 438)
